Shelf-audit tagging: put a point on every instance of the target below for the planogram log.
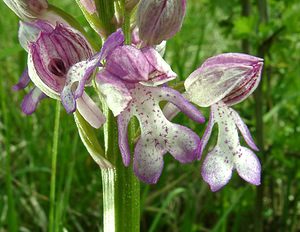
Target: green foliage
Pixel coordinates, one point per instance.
(181, 201)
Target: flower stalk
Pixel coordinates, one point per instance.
(53, 168)
(121, 188)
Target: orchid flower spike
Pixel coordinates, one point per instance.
(159, 20)
(221, 82)
(53, 52)
(130, 82)
(27, 10)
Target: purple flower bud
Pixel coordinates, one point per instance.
(229, 77)
(27, 10)
(159, 20)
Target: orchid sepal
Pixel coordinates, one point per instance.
(230, 77)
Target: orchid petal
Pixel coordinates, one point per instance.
(78, 74)
(90, 111)
(161, 48)
(23, 81)
(246, 87)
(184, 105)
(115, 92)
(52, 55)
(123, 121)
(228, 59)
(228, 153)
(207, 133)
(160, 72)
(35, 78)
(29, 32)
(216, 169)
(228, 77)
(31, 100)
(113, 41)
(128, 63)
(243, 129)
(148, 161)
(170, 111)
(158, 135)
(248, 165)
(208, 86)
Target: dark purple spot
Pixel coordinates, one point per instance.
(57, 67)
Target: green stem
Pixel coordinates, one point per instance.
(121, 188)
(123, 206)
(53, 168)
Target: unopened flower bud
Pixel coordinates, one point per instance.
(159, 20)
(27, 10)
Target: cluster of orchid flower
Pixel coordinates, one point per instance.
(133, 80)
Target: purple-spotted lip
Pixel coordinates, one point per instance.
(245, 87)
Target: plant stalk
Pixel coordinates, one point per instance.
(121, 189)
(53, 168)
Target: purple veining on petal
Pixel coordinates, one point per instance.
(246, 86)
(115, 92)
(210, 85)
(55, 52)
(243, 129)
(128, 63)
(23, 81)
(158, 135)
(230, 77)
(31, 100)
(29, 32)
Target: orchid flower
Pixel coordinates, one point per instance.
(221, 82)
(52, 53)
(159, 20)
(130, 82)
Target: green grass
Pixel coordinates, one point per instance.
(181, 201)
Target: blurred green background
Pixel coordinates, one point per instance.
(181, 201)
